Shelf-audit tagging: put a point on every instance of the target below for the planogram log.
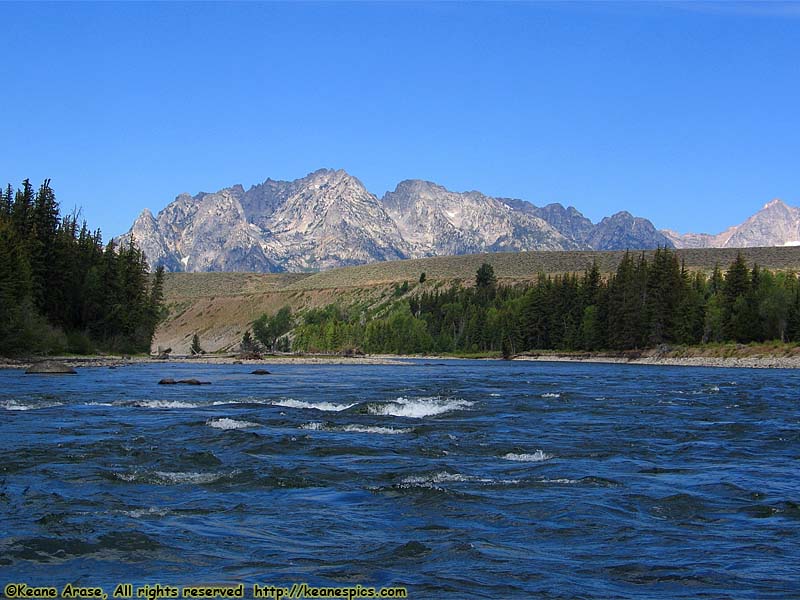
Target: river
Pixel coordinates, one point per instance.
(454, 479)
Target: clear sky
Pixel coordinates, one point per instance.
(685, 113)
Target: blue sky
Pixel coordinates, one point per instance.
(685, 113)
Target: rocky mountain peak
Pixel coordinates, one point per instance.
(328, 219)
(776, 224)
(776, 203)
(624, 231)
(146, 216)
(411, 188)
(330, 177)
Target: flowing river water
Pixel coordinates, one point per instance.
(454, 479)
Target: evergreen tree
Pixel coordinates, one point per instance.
(739, 311)
(626, 297)
(665, 290)
(793, 313)
(485, 279)
(6, 203)
(155, 304)
(57, 284)
(536, 326)
(195, 348)
(506, 348)
(21, 212)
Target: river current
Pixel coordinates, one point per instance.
(454, 479)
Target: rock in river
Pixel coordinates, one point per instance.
(50, 367)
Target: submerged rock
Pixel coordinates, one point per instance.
(50, 367)
(167, 381)
(259, 372)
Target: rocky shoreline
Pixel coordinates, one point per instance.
(747, 362)
(119, 361)
(733, 362)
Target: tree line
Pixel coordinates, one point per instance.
(645, 303)
(62, 290)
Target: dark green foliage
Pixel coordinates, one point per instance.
(644, 304)
(422, 277)
(484, 278)
(268, 330)
(60, 291)
(505, 348)
(793, 311)
(738, 302)
(248, 344)
(195, 348)
(400, 290)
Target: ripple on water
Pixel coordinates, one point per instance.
(418, 408)
(537, 456)
(323, 406)
(171, 477)
(225, 423)
(21, 405)
(389, 474)
(433, 480)
(163, 404)
(353, 428)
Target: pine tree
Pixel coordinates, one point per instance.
(665, 288)
(535, 316)
(21, 212)
(55, 276)
(738, 310)
(485, 280)
(195, 348)
(247, 344)
(626, 296)
(737, 280)
(793, 316)
(506, 348)
(7, 203)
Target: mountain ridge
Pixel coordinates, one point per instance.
(775, 224)
(329, 219)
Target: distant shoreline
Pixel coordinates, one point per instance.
(749, 362)
(745, 362)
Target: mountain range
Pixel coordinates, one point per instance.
(329, 219)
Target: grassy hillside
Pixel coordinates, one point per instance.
(203, 285)
(219, 307)
(527, 265)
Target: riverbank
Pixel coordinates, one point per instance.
(774, 356)
(765, 355)
(120, 361)
(749, 362)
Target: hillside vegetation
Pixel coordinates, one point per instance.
(523, 266)
(220, 307)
